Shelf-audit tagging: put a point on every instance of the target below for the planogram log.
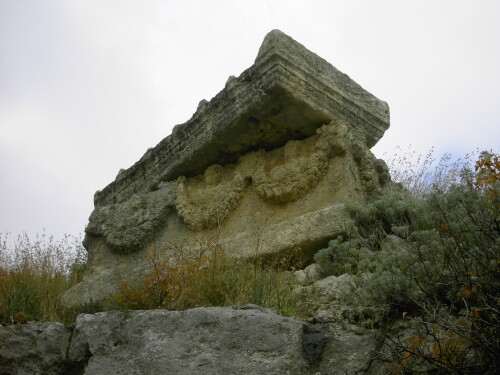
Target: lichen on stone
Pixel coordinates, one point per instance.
(374, 172)
(130, 226)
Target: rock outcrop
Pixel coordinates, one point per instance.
(36, 348)
(267, 164)
(240, 340)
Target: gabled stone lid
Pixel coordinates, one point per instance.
(325, 77)
(287, 94)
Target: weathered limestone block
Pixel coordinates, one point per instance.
(197, 341)
(267, 164)
(37, 348)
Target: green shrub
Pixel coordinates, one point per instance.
(434, 257)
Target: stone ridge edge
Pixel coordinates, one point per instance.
(278, 43)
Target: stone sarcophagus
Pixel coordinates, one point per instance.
(267, 164)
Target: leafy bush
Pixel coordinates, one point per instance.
(434, 258)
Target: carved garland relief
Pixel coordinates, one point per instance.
(278, 176)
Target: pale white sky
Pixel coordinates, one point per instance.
(87, 86)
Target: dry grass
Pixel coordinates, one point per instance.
(34, 274)
(424, 174)
(205, 275)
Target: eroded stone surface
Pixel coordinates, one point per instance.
(38, 348)
(131, 225)
(283, 175)
(198, 341)
(233, 340)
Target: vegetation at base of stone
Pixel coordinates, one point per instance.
(34, 274)
(433, 258)
(205, 275)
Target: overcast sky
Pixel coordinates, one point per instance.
(86, 86)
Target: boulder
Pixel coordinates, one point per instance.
(309, 275)
(350, 350)
(36, 349)
(198, 341)
(343, 299)
(336, 287)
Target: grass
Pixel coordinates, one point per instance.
(423, 174)
(33, 275)
(205, 275)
